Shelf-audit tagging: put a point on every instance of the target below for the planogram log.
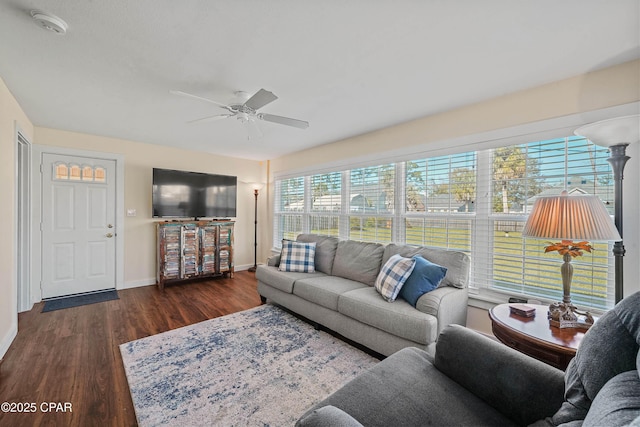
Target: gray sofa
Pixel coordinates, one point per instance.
(340, 295)
(475, 381)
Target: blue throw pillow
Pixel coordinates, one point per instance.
(425, 277)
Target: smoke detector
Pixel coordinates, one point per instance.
(49, 22)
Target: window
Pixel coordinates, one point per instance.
(372, 203)
(521, 174)
(326, 203)
(440, 195)
(73, 172)
(87, 173)
(476, 202)
(289, 209)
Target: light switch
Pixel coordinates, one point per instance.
(131, 212)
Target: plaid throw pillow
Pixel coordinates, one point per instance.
(296, 256)
(392, 276)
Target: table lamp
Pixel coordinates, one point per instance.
(574, 221)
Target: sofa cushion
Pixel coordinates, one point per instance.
(296, 256)
(328, 416)
(359, 261)
(325, 250)
(609, 348)
(425, 277)
(457, 263)
(281, 280)
(325, 290)
(521, 387)
(393, 275)
(617, 403)
(399, 318)
(406, 389)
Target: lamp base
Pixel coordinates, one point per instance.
(566, 315)
(252, 269)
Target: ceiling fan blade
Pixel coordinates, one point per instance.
(253, 130)
(210, 118)
(284, 120)
(188, 95)
(260, 99)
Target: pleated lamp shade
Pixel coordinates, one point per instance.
(564, 217)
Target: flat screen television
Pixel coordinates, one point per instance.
(182, 194)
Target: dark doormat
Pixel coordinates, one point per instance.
(78, 300)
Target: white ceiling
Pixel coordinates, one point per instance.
(347, 67)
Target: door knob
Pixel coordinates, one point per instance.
(109, 235)
(109, 225)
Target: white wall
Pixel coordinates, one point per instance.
(11, 118)
(140, 159)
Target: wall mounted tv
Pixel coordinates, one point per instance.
(182, 194)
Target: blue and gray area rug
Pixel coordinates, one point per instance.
(259, 367)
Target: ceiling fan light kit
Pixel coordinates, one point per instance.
(245, 108)
(49, 22)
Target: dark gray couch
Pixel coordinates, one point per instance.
(340, 294)
(475, 381)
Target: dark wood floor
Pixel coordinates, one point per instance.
(72, 355)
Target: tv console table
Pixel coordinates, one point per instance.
(193, 249)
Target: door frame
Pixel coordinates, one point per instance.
(36, 241)
(22, 231)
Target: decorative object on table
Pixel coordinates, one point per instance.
(617, 134)
(256, 188)
(568, 218)
(522, 310)
(261, 366)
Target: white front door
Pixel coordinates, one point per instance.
(78, 224)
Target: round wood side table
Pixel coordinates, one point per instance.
(534, 336)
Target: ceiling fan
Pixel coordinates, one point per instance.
(245, 108)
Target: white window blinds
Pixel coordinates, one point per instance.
(476, 202)
(521, 174)
(372, 203)
(326, 203)
(289, 208)
(440, 195)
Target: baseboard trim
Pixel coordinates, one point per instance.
(7, 340)
(137, 283)
(152, 281)
(243, 267)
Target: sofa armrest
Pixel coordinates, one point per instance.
(273, 261)
(327, 416)
(447, 304)
(521, 387)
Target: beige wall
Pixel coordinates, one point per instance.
(139, 159)
(478, 319)
(577, 97)
(11, 117)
